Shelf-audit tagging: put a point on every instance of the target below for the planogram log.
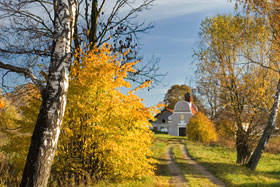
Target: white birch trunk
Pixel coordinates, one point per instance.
(45, 136)
(254, 160)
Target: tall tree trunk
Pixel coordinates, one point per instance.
(242, 147)
(254, 160)
(45, 136)
(93, 24)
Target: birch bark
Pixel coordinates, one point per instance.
(254, 160)
(45, 136)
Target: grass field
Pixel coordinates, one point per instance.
(220, 161)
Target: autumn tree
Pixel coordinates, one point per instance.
(105, 21)
(9, 117)
(242, 88)
(54, 91)
(2, 101)
(19, 137)
(207, 91)
(105, 133)
(36, 41)
(269, 11)
(175, 94)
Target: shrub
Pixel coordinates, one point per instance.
(105, 134)
(201, 129)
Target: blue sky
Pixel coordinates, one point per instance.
(173, 40)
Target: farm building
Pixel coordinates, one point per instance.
(175, 122)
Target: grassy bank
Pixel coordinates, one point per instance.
(159, 149)
(221, 162)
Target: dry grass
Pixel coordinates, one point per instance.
(273, 145)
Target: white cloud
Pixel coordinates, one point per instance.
(165, 9)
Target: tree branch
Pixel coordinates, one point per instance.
(24, 51)
(26, 72)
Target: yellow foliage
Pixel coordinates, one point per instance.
(2, 104)
(243, 89)
(226, 129)
(105, 133)
(24, 121)
(201, 129)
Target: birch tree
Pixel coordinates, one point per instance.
(268, 10)
(28, 36)
(54, 93)
(36, 42)
(244, 89)
(45, 136)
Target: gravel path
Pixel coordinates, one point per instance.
(178, 178)
(200, 168)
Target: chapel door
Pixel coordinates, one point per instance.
(182, 131)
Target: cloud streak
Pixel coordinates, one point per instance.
(166, 9)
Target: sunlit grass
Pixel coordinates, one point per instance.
(148, 181)
(221, 162)
(159, 149)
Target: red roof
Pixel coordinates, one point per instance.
(193, 109)
(170, 110)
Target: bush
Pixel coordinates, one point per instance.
(105, 134)
(201, 129)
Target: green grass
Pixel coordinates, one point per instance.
(159, 149)
(148, 181)
(220, 161)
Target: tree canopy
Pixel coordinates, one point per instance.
(105, 133)
(175, 94)
(240, 88)
(269, 11)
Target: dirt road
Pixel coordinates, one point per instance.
(177, 176)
